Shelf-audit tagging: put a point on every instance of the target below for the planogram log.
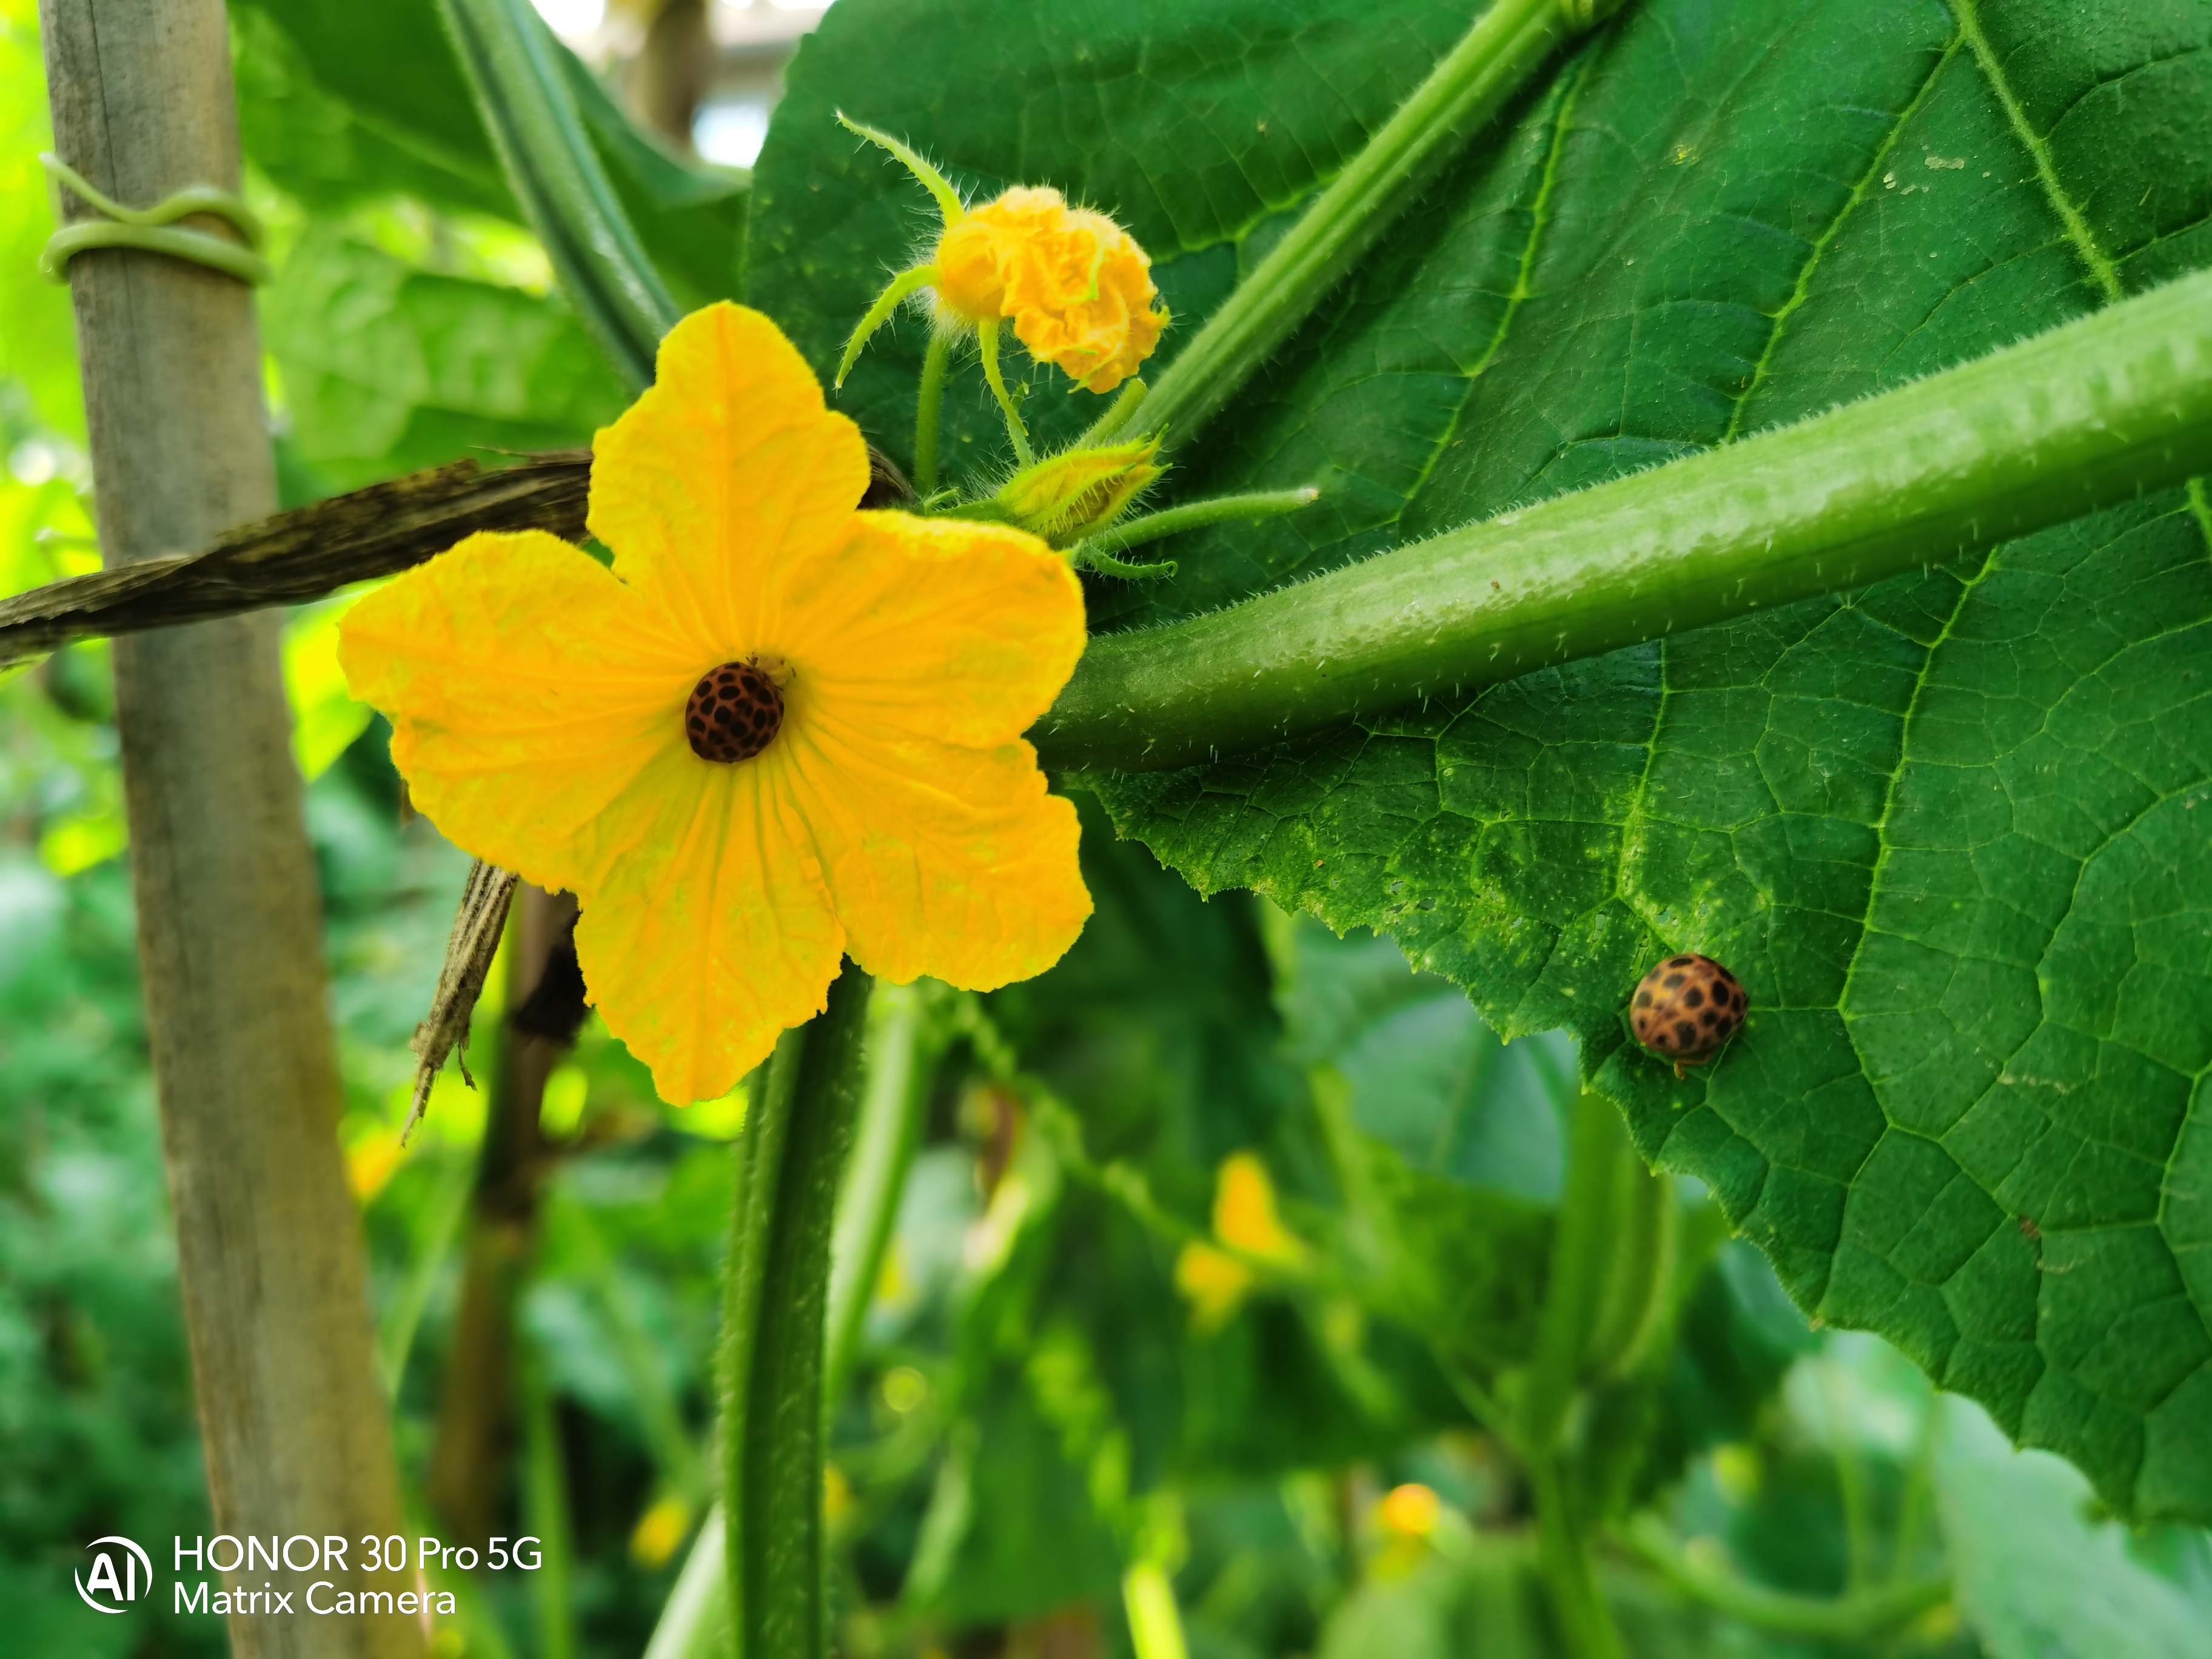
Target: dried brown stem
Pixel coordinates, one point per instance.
(469, 949)
(304, 554)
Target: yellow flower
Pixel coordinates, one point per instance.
(1076, 286)
(779, 731)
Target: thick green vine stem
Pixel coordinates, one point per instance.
(790, 1158)
(2084, 417)
(513, 64)
(1492, 61)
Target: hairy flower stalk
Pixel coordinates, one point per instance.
(2084, 417)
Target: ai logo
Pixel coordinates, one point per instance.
(108, 1590)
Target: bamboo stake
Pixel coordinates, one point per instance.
(268, 1243)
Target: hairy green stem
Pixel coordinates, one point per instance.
(901, 288)
(929, 411)
(1196, 515)
(1491, 62)
(515, 69)
(1859, 1616)
(1018, 433)
(2089, 415)
(790, 1157)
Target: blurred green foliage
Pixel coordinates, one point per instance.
(1090, 1349)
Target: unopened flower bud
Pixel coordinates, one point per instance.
(1078, 492)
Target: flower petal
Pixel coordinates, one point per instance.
(713, 932)
(959, 633)
(945, 861)
(527, 689)
(726, 470)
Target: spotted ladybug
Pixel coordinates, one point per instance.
(1686, 1008)
(734, 713)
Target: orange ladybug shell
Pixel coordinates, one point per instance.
(1686, 1008)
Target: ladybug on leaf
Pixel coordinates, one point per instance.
(1686, 1008)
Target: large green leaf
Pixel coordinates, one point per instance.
(387, 369)
(341, 102)
(1947, 829)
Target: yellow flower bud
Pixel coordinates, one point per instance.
(1076, 286)
(1078, 493)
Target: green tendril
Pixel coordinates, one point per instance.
(987, 335)
(949, 204)
(151, 230)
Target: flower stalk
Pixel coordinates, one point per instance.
(2086, 415)
(790, 1161)
(1492, 61)
(1101, 552)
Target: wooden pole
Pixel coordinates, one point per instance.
(268, 1240)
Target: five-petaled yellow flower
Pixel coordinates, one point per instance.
(1076, 286)
(779, 731)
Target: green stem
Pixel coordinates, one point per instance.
(545, 1507)
(1563, 1555)
(513, 64)
(1117, 414)
(1196, 515)
(1585, 1243)
(1633, 1301)
(987, 338)
(1859, 1616)
(789, 1159)
(2089, 415)
(395, 1332)
(1491, 62)
(904, 1046)
(1850, 1479)
(694, 1622)
(929, 411)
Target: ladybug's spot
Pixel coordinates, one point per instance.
(1710, 1018)
(1693, 998)
(1680, 962)
(1685, 1032)
(1674, 982)
(1643, 999)
(734, 713)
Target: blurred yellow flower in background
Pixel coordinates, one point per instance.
(779, 731)
(1216, 1282)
